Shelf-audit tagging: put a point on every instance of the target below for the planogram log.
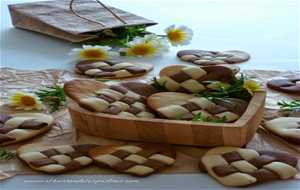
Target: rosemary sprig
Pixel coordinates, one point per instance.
(115, 37)
(197, 118)
(6, 155)
(158, 85)
(290, 107)
(52, 96)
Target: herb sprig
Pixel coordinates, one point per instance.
(158, 85)
(197, 118)
(52, 96)
(6, 155)
(115, 37)
(290, 107)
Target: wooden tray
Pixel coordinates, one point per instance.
(171, 131)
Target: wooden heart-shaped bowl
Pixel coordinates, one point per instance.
(157, 130)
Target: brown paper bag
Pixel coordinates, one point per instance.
(72, 20)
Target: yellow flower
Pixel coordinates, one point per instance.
(252, 86)
(179, 36)
(88, 52)
(25, 101)
(142, 47)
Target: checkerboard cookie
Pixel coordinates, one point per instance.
(112, 68)
(291, 86)
(139, 160)
(22, 126)
(240, 167)
(173, 105)
(191, 79)
(202, 57)
(287, 128)
(127, 99)
(56, 159)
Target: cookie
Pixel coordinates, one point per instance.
(287, 128)
(56, 159)
(191, 79)
(202, 57)
(112, 69)
(290, 86)
(139, 160)
(22, 126)
(127, 99)
(240, 167)
(173, 105)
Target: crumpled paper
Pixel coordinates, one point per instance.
(62, 131)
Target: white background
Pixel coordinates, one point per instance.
(267, 30)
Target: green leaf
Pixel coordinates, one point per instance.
(6, 155)
(290, 107)
(159, 86)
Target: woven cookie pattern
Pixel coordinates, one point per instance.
(137, 160)
(109, 69)
(285, 85)
(198, 106)
(13, 128)
(191, 79)
(59, 159)
(117, 100)
(245, 167)
(209, 57)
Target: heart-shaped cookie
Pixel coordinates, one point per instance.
(127, 99)
(56, 159)
(192, 79)
(139, 160)
(287, 128)
(202, 57)
(173, 105)
(22, 126)
(112, 68)
(240, 167)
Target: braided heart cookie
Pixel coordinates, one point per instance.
(291, 86)
(172, 105)
(233, 166)
(22, 126)
(202, 57)
(287, 128)
(127, 99)
(139, 160)
(56, 159)
(112, 69)
(190, 79)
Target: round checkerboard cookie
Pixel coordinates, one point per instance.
(56, 159)
(240, 167)
(173, 105)
(22, 126)
(139, 160)
(191, 79)
(202, 57)
(127, 99)
(112, 68)
(287, 128)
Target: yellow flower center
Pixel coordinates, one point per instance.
(27, 100)
(93, 54)
(176, 35)
(142, 50)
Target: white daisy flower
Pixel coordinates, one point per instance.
(88, 52)
(25, 101)
(181, 35)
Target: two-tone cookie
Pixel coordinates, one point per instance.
(139, 160)
(290, 86)
(22, 126)
(192, 79)
(173, 105)
(127, 99)
(202, 57)
(56, 159)
(112, 68)
(287, 128)
(233, 166)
